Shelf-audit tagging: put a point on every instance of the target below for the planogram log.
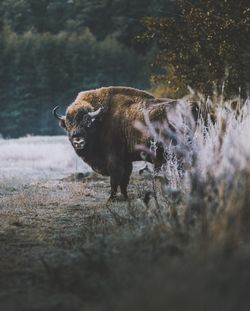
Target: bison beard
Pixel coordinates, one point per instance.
(101, 128)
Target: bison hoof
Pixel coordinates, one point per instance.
(120, 198)
(111, 199)
(124, 197)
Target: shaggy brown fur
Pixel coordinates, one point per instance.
(111, 137)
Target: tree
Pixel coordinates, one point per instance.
(206, 46)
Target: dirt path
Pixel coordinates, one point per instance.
(45, 225)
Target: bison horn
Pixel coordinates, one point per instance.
(56, 115)
(94, 114)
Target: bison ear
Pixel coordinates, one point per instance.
(60, 118)
(62, 123)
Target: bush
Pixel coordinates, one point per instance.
(205, 45)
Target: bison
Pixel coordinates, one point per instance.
(101, 128)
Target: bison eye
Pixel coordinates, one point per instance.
(86, 122)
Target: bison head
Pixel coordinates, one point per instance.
(79, 125)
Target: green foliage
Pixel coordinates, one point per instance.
(40, 16)
(171, 87)
(119, 17)
(207, 45)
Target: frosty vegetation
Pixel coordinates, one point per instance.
(215, 181)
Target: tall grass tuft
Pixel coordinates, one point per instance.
(205, 180)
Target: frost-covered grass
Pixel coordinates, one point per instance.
(214, 189)
(220, 174)
(222, 148)
(37, 158)
(208, 197)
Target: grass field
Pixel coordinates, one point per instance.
(63, 248)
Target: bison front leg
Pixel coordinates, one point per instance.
(119, 171)
(125, 180)
(115, 173)
(114, 183)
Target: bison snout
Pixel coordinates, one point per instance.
(78, 142)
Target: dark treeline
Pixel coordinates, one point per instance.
(52, 49)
